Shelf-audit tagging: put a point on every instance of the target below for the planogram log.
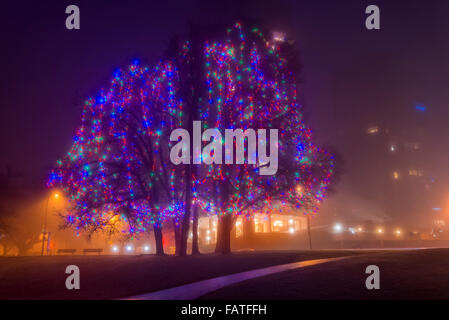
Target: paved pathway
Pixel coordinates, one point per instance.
(197, 289)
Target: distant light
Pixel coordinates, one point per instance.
(290, 221)
(421, 108)
(278, 223)
(299, 189)
(351, 230)
(359, 229)
(279, 36)
(115, 248)
(395, 175)
(373, 130)
(392, 148)
(129, 248)
(146, 248)
(338, 228)
(380, 230)
(398, 232)
(208, 238)
(56, 195)
(436, 209)
(291, 230)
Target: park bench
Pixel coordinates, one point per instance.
(61, 251)
(99, 251)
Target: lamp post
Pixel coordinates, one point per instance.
(308, 232)
(44, 229)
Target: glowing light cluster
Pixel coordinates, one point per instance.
(118, 164)
(249, 85)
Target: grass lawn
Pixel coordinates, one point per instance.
(112, 277)
(417, 274)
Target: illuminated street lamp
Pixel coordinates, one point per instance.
(299, 189)
(44, 229)
(338, 228)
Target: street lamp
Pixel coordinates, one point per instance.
(338, 228)
(44, 229)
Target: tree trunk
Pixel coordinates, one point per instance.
(177, 234)
(158, 240)
(195, 247)
(224, 235)
(308, 232)
(186, 219)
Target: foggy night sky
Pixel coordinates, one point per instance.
(352, 77)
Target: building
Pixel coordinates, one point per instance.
(285, 220)
(402, 177)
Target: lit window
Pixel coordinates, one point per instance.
(415, 173)
(395, 175)
(373, 130)
(239, 228)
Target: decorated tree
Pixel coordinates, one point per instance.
(250, 85)
(118, 169)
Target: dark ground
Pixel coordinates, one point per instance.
(418, 274)
(110, 277)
